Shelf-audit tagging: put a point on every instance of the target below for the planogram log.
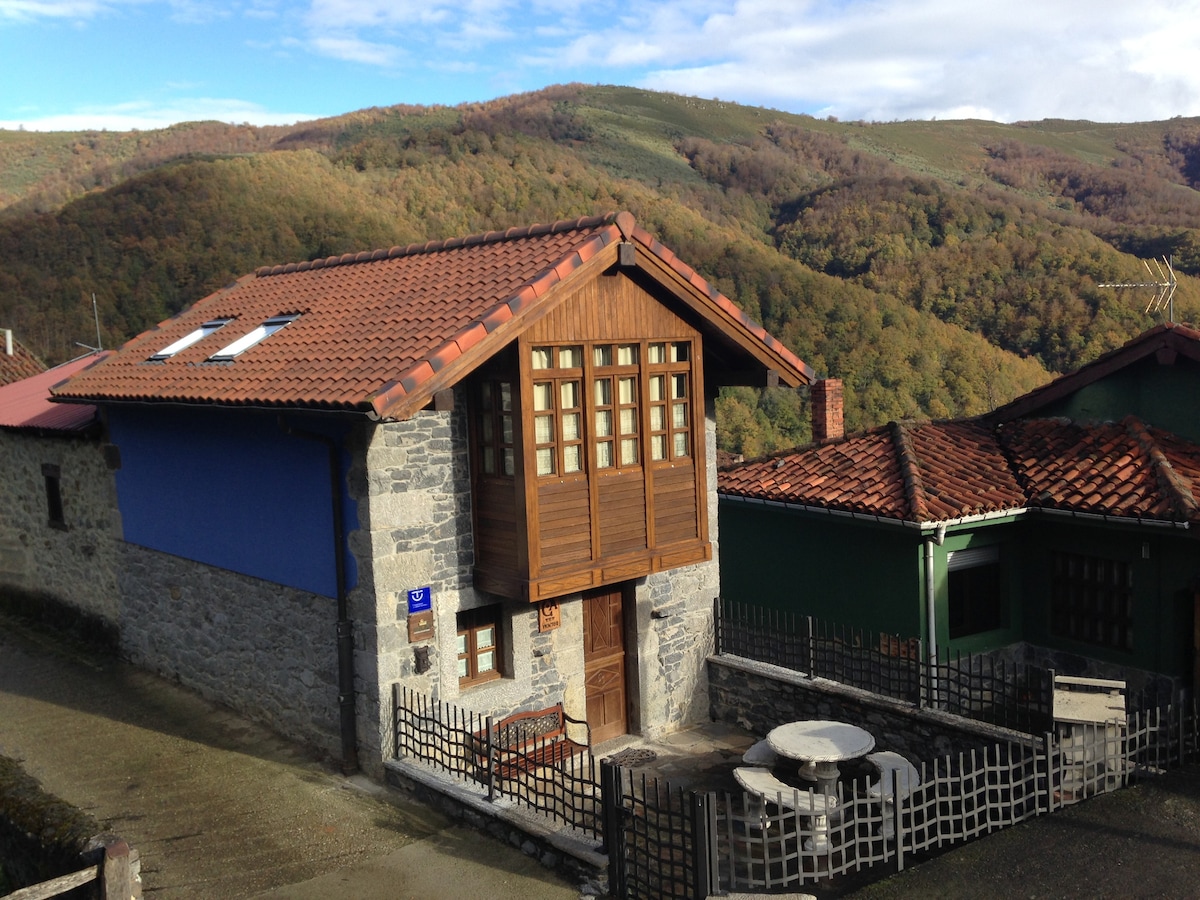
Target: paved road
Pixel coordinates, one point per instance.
(221, 808)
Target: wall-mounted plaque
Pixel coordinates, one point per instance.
(549, 615)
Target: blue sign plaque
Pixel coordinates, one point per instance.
(420, 600)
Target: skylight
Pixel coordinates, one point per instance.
(258, 335)
(194, 337)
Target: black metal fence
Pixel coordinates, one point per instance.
(976, 686)
(468, 745)
(674, 843)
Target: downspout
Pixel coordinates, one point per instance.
(931, 608)
(345, 627)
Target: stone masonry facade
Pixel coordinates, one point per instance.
(75, 562)
(413, 494)
(261, 648)
(270, 651)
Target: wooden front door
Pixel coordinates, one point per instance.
(604, 662)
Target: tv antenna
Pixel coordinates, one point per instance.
(1164, 288)
(99, 344)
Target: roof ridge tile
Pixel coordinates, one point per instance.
(914, 486)
(454, 243)
(1178, 493)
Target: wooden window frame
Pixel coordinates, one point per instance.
(654, 419)
(674, 365)
(498, 455)
(1092, 600)
(472, 624)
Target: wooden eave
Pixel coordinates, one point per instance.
(1166, 342)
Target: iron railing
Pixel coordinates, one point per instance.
(470, 746)
(977, 686)
(670, 842)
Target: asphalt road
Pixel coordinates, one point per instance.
(221, 808)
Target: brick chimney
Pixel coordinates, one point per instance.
(826, 396)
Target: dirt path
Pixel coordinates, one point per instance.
(219, 807)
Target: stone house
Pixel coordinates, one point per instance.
(482, 468)
(60, 521)
(1059, 529)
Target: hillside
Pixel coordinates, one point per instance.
(939, 268)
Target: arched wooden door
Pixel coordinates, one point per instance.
(604, 662)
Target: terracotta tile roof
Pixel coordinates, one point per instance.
(26, 406)
(19, 364)
(380, 332)
(914, 473)
(1112, 468)
(943, 471)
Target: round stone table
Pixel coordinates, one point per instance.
(822, 743)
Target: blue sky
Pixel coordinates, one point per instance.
(123, 64)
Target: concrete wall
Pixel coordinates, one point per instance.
(75, 565)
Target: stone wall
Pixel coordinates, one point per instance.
(414, 501)
(266, 650)
(74, 564)
(757, 696)
(411, 481)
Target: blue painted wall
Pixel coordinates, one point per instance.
(231, 489)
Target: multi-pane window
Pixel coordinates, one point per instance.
(669, 399)
(615, 397)
(479, 645)
(558, 410)
(622, 403)
(496, 452)
(1092, 600)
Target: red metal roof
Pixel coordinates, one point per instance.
(944, 471)
(25, 405)
(380, 332)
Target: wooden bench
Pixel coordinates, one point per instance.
(531, 740)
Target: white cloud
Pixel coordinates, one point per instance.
(146, 116)
(352, 49)
(30, 10)
(891, 59)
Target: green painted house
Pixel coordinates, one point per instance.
(1059, 529)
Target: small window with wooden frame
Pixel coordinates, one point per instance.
(495, 428)
(669, 368)
(558, 410)
(479, 650)
(615, 412)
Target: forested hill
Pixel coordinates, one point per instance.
(939, 268)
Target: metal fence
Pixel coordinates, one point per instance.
(674, 843)
(466, 744)
(976, 686)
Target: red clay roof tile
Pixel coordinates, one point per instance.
(376, 328)
(19, 364)
(944, 471)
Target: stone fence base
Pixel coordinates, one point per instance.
(571, 855)
(758, 696)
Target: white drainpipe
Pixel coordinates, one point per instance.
(8, 345)
(931, 608)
